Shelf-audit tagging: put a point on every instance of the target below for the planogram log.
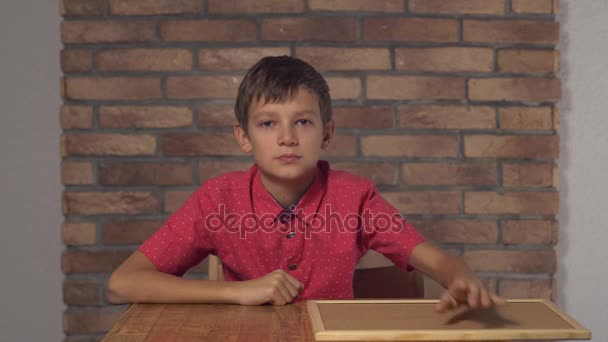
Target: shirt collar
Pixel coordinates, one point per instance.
(306, 208)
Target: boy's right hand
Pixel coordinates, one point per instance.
(277, 288)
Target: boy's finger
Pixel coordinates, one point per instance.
(498, 300)
(441, 306)
(486, 302)
(446, 302)
(442, 303)
(287, 278)
(458, 290)
(294, 281)
(282, 295)
(293, 290)
(473, 295)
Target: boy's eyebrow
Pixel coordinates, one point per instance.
(306, 111)
(299, 112)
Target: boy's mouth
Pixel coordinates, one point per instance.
(287, 158)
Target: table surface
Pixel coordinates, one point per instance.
(212, 322)
(224, 322)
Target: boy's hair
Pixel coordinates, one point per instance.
(276, 79)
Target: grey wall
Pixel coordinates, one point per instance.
(30, 206)
(582, 252)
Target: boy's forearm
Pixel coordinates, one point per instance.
(439, 265)
(154, 287)
(448, 268)
(456, 268)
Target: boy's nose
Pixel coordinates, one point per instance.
(288, 137)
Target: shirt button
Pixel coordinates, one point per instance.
(290, 235)
(284, 217)
(292, 267)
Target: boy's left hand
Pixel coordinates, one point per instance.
(467, 291)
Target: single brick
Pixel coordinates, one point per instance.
(198, 144)
(107, 31)
(79, 234)
(410, 146)
(392, 6)
(415, 87)
(530, 232)
(515, 89)
(144, 117)
(464, 174)
(517, 261)
(76, 173)
(155, 7)
(331, 58)
(144, 60)
(76, 60)
(208, 30)
(527, 175)
(149, 173)
(107, 145)
(101, 203)
(517, 203)
(446, 117)
(73, 116)
(511, 31)
(338, 29)
(410, 29)
(445, 59)
(112, 88)
(511, 146)
(255, 6)
(204, 87)
(457, 6)
(231, 59)
(424, 202)
(526, 118)
(528, 61)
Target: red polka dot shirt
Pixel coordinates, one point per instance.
(319, 241)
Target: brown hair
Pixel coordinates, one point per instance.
(276, 79)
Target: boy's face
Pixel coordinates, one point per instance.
(286, 139)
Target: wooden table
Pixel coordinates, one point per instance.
(208, 322)
(411, 320)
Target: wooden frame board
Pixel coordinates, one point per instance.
(416, 320)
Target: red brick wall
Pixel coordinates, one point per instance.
(449, 105)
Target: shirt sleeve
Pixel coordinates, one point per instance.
(182, 242)
(386, 231)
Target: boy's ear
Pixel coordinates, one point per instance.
(329, 130)
(242, 138)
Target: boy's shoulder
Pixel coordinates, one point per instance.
(226, 183)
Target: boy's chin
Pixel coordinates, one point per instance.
(292, 174)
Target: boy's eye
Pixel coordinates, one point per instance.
(304, 122)
(266, 124)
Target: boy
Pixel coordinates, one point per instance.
(289, 228)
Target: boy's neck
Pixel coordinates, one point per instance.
(287, 193)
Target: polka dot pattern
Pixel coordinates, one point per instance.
(319, 241)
